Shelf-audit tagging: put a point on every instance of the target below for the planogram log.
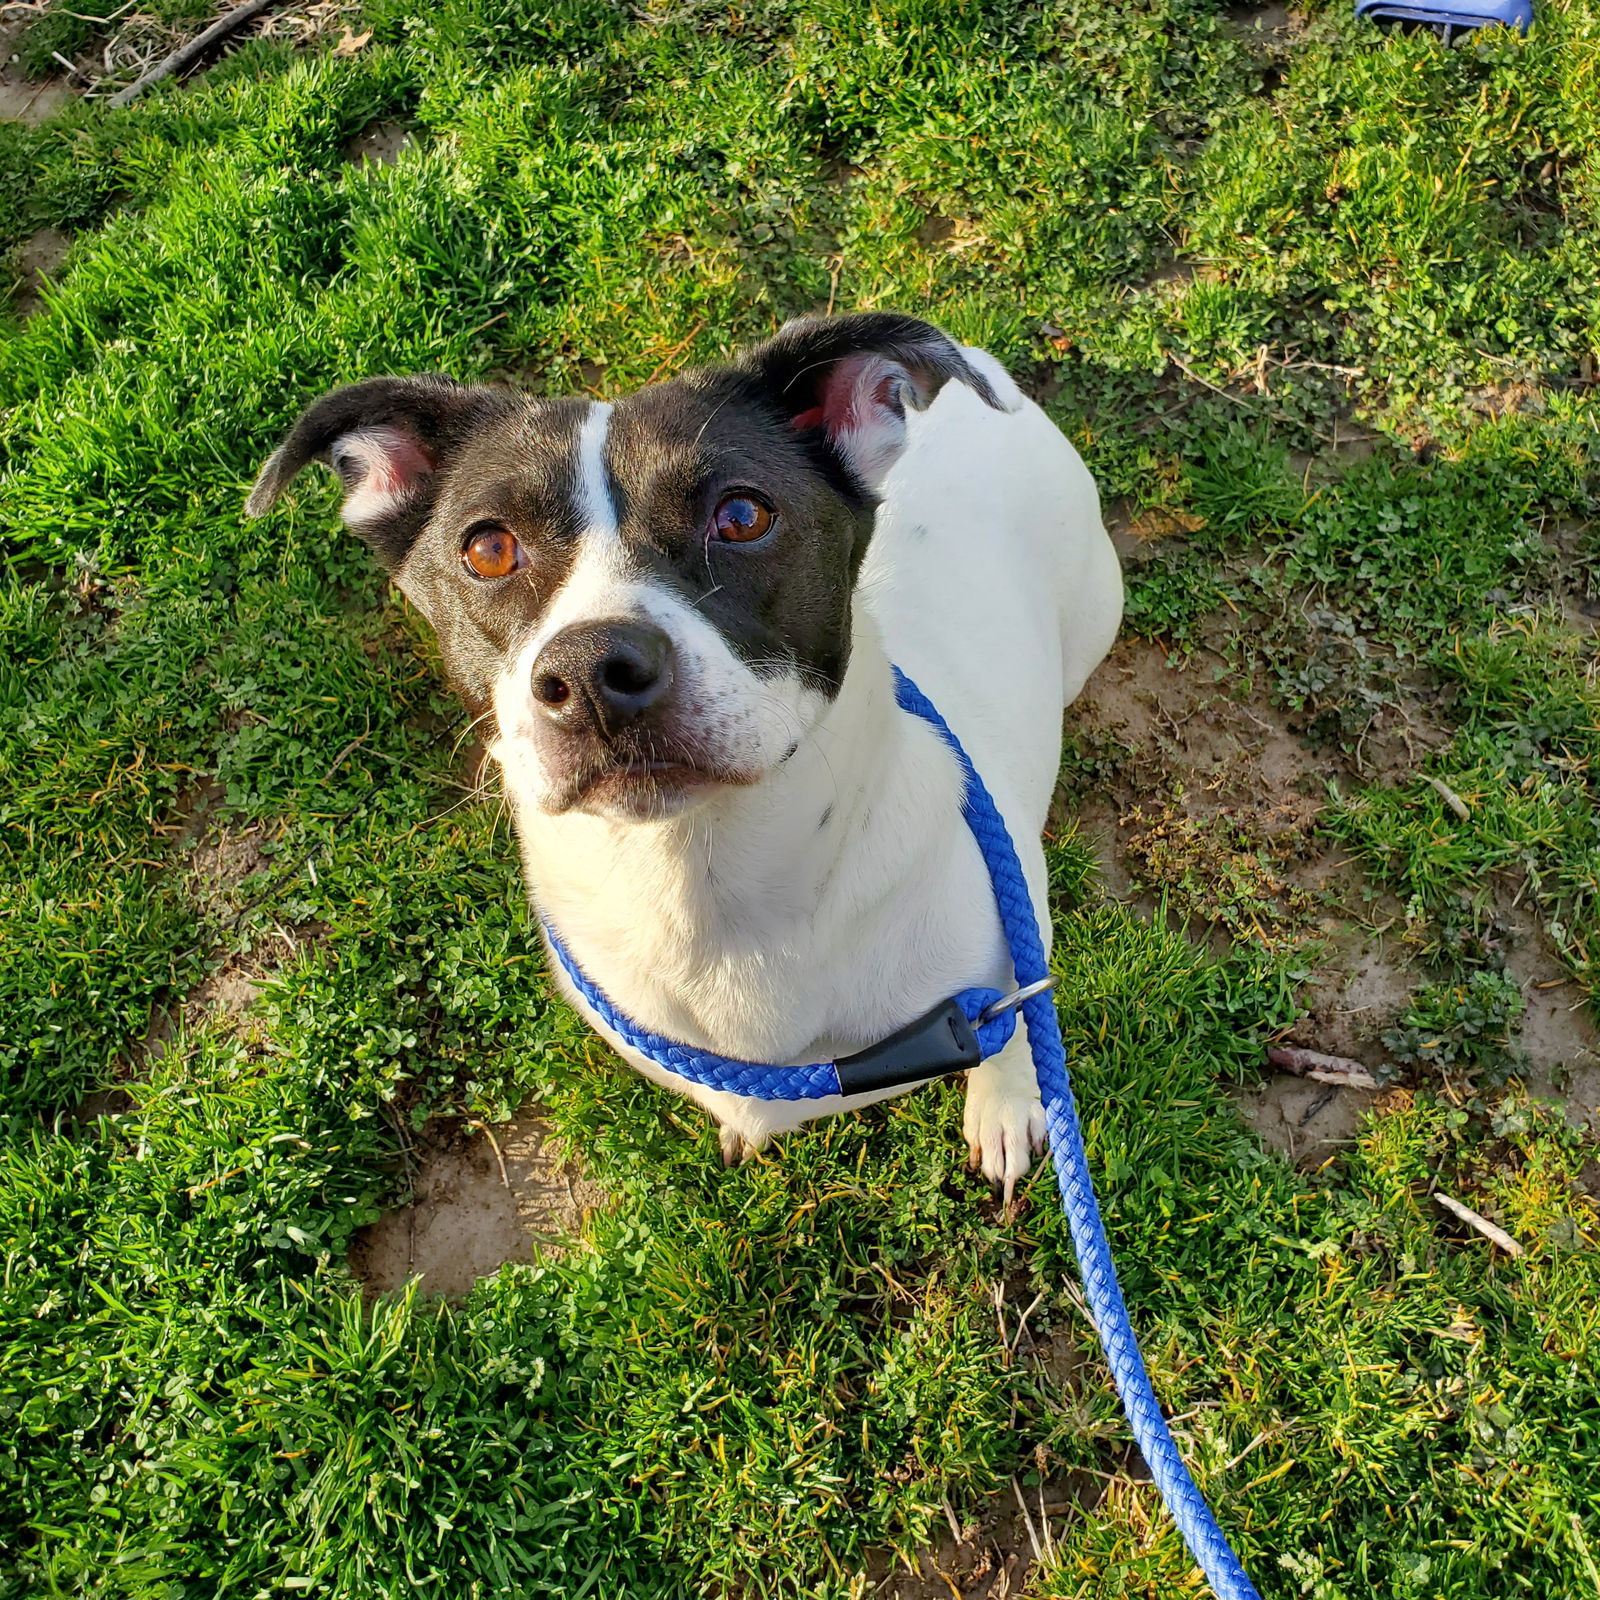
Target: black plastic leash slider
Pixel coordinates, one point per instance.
(933, 1046)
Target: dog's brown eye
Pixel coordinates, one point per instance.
(742, 519)
(492, 551)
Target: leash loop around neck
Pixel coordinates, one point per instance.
(953, 1037)
(982, 1021)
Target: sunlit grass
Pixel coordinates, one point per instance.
(757, 1382)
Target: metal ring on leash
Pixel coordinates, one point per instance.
(1008, 1002)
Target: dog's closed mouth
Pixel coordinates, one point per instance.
(644, 784)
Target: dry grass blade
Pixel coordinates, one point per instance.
(1475, 1219)
(1449, 796)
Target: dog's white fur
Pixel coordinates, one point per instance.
(742, 926)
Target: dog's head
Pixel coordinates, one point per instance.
(654, 596)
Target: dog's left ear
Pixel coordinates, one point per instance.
(850, 379)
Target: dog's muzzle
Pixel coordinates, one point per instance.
(610, 720)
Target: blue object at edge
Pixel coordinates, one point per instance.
(1516, 14)
(1205, 1539)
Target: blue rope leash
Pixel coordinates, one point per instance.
(751, 1078)
(1207, 1542)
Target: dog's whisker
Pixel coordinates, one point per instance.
(467, 731)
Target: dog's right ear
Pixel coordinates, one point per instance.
(847, 381)
(389, 439)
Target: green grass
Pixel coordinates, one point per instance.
(758, 1382)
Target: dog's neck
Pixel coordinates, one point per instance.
(715, 926)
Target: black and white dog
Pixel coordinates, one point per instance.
(682, 608)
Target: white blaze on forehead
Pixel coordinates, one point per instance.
(599, 586)
(597, 511)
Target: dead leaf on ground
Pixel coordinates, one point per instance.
(1161, 522)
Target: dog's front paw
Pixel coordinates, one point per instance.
(736, 1148)
(1004, 1120)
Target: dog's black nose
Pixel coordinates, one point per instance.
(602, 676)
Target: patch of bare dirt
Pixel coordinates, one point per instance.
(1204, 792)
(1273, 19)
(35, 262)
(24, 99)
(1357, 991)
(1557, 1031)
(938, 232)
(225, 998)
(222, 854)
(1187, 741)
(1211, 796)
(482, 1200)
(378, 144)
(224, 859)
(221, 859)
(102, 1103)
(30, 100)
(1306, 1122)
(226, 995)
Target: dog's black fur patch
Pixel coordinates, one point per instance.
(521, 471)
(673, 451)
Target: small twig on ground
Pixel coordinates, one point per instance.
(1189, 372)
(185, 53)
(484, 1129)
(338, 760)
(1321, 366)
(1259, 1440)
(1474, 1219)
(1022, 1321)
(1449, 796)
(1022, 1506)
(1340, 1071)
